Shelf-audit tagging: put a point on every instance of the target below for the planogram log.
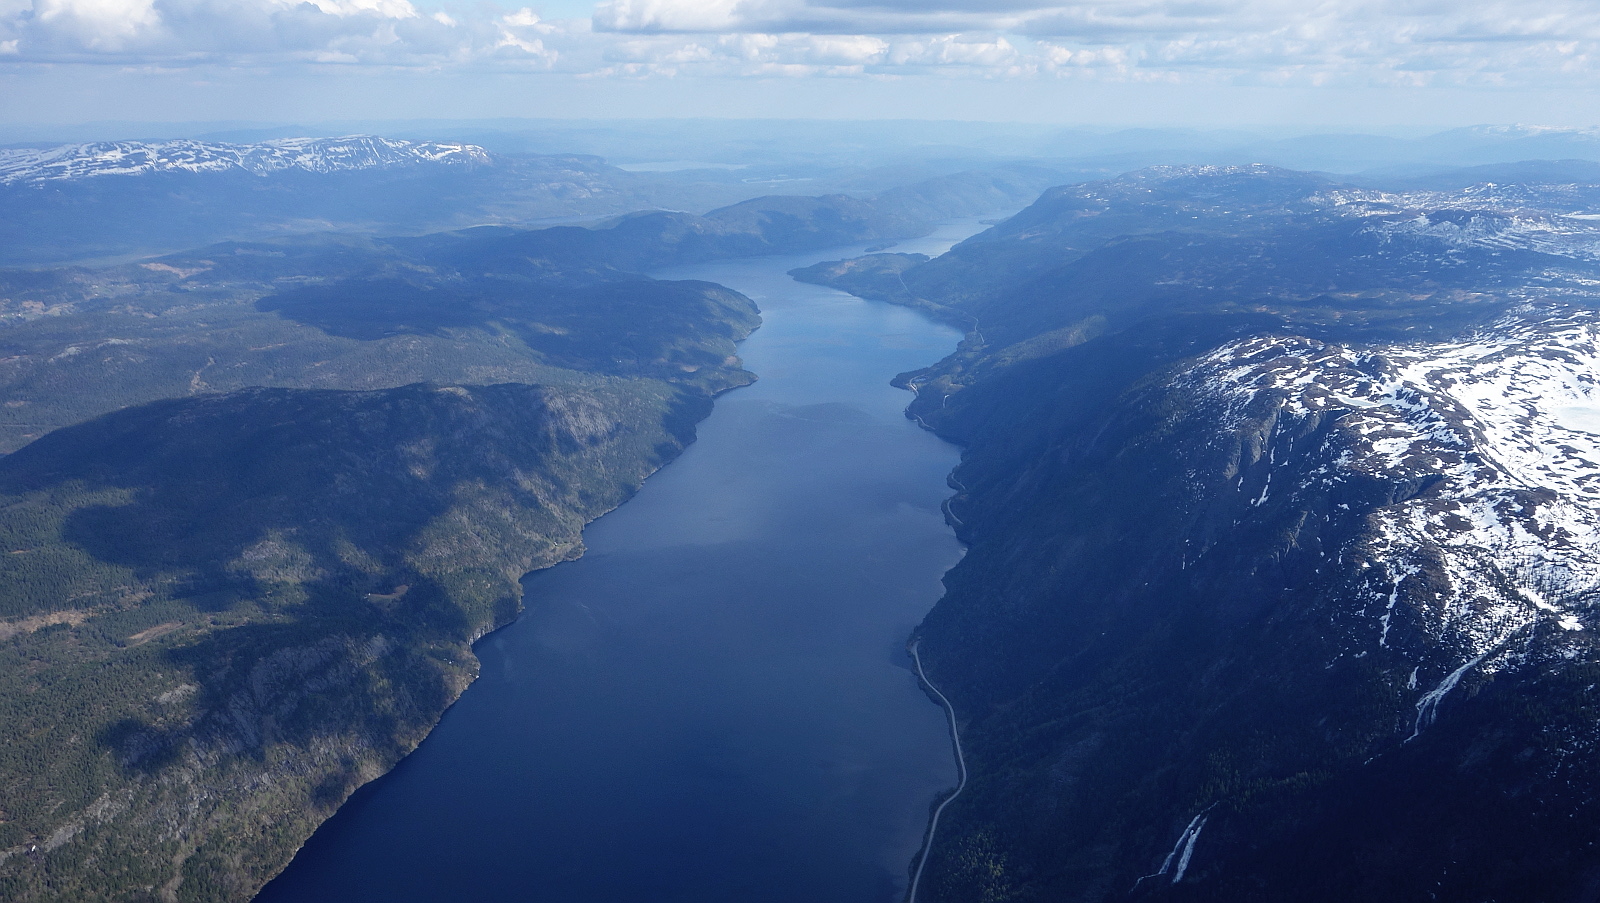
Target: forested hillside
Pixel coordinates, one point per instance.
(1280, 499)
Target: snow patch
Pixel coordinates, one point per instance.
(319, 155)
(1496, 439)
(1182, 851)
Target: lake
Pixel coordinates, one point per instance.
(714, 703)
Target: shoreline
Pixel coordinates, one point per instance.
(961, 765)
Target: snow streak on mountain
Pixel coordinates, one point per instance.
(1503, 429)
(318, 155)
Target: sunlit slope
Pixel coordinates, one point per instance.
(224, 614)
(477, 306)
(223, 607)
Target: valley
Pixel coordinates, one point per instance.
(1277, 490)
(262, 498)
(715, 700)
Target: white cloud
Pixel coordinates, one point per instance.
(1056, 56)
(519, 33)
(389, 9)
(890, 17)
(98, 24)
(955, 51)
(1117, 20)
(708, 16)
(255, 32)
(781, 56)
(1368, 42)
(527, 18)
(847, 49)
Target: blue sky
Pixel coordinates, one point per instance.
(1378, 64)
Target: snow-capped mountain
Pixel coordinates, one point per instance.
(1518, 132)
(1282, 500)
(1499, 559)
(1556, 219)
(319, 155)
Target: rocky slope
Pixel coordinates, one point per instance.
(1283, 543)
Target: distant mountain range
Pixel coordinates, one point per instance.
(1338, 152)
(120, 199)
(319, 155)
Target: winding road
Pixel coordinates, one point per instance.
(961, 763)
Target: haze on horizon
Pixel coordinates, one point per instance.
(1343, 64)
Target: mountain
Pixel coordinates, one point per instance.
(1283, 552)
(223, 614)
(141, 203)
(341, 314)
(1484, 144)
(318, 155)
(770, 224)
(491, 304)
(1544, 173)
(129, 200)
(259, 501)
(261, 497)
(1340, 152)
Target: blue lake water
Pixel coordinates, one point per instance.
(714, 703)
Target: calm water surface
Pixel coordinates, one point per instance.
(714, 703)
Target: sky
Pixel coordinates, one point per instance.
(1379, 65)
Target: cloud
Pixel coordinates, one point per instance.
(784, 56)
(776, 16)
(97, 24)
(655, 16)
(1128, 17)
(253, 32)
(1114, 20)
(846, 49)
(1312, 42)
(955, 51)
(519, 31)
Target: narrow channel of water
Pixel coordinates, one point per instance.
(713, 704)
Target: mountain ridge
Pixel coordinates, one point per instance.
(1281, 561)
(315, 155)
(233, 610)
